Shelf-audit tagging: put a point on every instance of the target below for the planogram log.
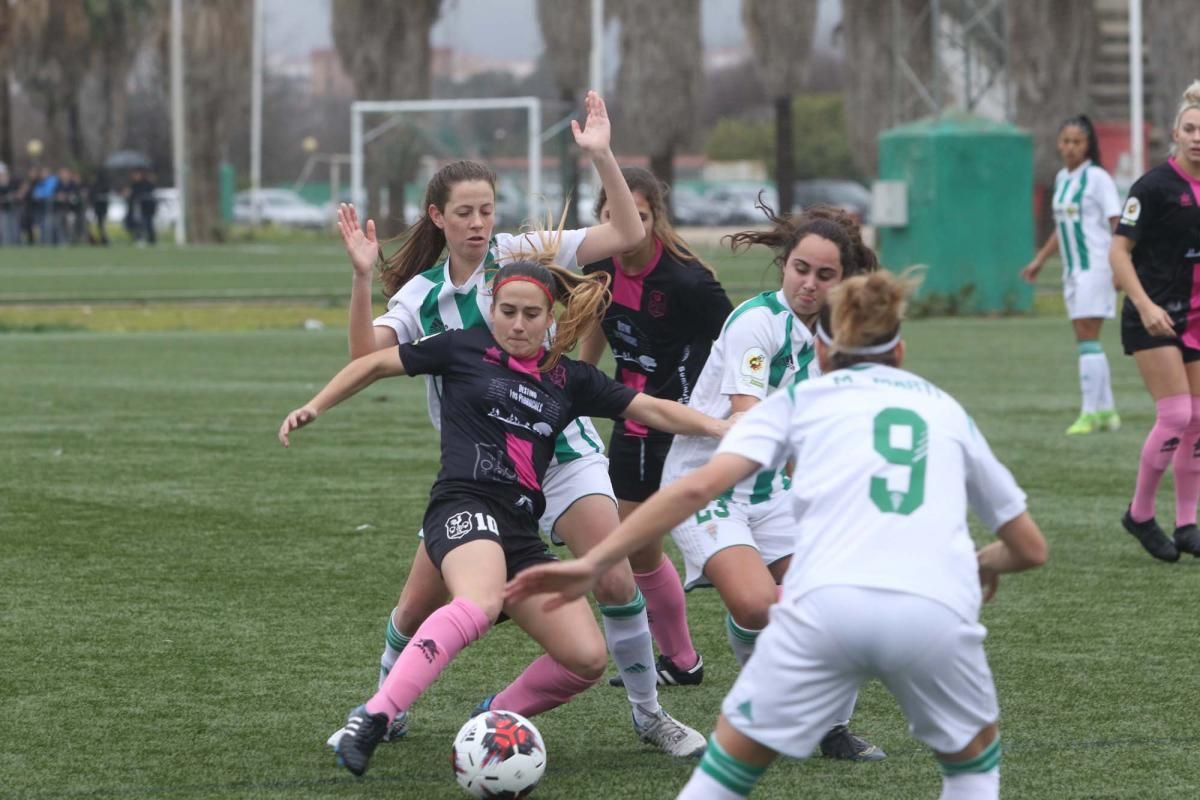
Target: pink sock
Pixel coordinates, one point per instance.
(1173, 414)
(435, 644)
(545, 684)
(1187, 471)
(667, 609)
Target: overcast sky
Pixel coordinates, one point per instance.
(295, 27)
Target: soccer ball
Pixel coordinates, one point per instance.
(498, 754)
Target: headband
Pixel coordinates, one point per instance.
(870, 350)
(529, 278)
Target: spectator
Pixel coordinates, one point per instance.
(43, 193)
(98, 191)
(10, 230)
(142, 205)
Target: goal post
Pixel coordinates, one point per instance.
(360, 136)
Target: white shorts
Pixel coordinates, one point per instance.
(818, 649)
(573, 480)
(770, 528)
(1089, 294)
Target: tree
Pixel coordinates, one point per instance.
(116, 29)
(567, 32)
(658, 82)
(781, 33)
(384, 46)
(6, 144)
(1173, 50)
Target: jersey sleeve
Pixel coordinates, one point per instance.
(712, 304)
(992, 492)
(1107, 196)
(400, 317)
(748, 351)
(594, 394)
(763, 435)
(512, 247)
(1138, 210)
(431, 355)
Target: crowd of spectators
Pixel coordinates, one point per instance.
(61, 207)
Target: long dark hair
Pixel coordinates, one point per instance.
(1084, 123)
(655, 192)
(827, 222)
(424, 242)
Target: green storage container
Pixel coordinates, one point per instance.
(970, 212)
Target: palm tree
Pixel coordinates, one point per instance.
(385, 48)
(781, 33)
(567, 32)
(658, 82)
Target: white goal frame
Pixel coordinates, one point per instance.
(359, 138)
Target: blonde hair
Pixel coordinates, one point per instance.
(1191, 99)
(865, 312)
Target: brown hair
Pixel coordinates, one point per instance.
(655, 192)
(584, 299)
(827, 222)
(424, 242)
(866, 311)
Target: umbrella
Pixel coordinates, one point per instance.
(126, 159)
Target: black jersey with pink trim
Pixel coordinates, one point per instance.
(661, 325)
(1162, 216)
(501, 415)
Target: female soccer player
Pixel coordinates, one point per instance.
(740, 543)
(667, 308)
(1156, 260)
(504, 400)
(885, 582)
(1086, 208)
(428, 296)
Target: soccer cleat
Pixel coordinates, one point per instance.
(363, 734)
(485, 705)
(1108, 420)
(670, 675)
(1087, 423)
(398, 729)
(841, 744)
(670, 735)
(1187, 539)
(1151, 538)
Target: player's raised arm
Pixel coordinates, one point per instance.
(353, 378)
(623, 230)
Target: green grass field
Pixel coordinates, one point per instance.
(188, 610)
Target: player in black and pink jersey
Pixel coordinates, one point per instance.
(504, 401)
(666, 311)
(1155, 256)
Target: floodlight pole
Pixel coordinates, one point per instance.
(1137, 124)
(178, 140)
(256, 100)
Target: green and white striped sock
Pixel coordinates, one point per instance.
(720, 776)
(393, 645)
(740, 639)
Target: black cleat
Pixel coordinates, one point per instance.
(363, 733)
(843, 745)
(1187, 539)
(670, 675)
(1151, 537)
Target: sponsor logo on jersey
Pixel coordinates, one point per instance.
(459, 525)
(1131, 212)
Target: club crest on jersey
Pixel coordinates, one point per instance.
(1133, 210)
(459, 525)
(657, 306)
(754, 365)
(558, 376)
(1185, 200)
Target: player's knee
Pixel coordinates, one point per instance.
(751, 611)
(616, 587)
(982, 741)
(589, 659)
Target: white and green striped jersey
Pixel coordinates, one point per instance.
(762, 348)
(890, 464)
(1085, 199)
(430, 303)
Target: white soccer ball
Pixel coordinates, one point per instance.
(498, 754)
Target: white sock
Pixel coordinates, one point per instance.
(972, 786)
(741, 640)
(627, 630)
(703, 786)
(1095, 385)
(393, 644)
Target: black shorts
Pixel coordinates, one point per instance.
(635, 465)
(1135, 337)
(455, 518)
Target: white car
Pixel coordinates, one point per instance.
(280, 207)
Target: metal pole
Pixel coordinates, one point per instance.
(357, 195)
(596, 61)
(256, 99)
(1137, 124)
(178, 141)
(935, 20)
(535, 154)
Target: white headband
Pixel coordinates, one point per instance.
(870, 350)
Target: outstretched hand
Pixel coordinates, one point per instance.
(361, 245)
(297, 419)
(596, 134)
(563, 581)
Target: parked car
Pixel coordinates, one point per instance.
(737, 204)
(280, 207)
(849, 195)
(693, 208)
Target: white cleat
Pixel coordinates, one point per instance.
(670, 735)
